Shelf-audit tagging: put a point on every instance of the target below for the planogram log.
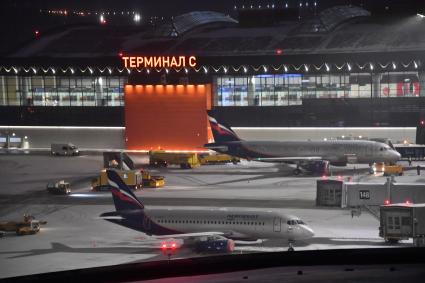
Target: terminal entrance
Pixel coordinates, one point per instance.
(167, 117)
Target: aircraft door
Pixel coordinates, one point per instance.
(146, 223)
(277, 224)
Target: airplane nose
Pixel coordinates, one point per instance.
(308, 232)
(396, 155)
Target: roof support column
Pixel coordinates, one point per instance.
(421, 83)
(376, 85)
(252, 100)
(3, 90)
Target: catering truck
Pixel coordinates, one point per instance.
(160, 158)
(135, 179)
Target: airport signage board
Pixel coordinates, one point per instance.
(365, 194)
(159, 61)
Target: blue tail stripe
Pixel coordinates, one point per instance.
(222, 133)
(124, 198)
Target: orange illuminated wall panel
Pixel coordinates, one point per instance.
(169, 117)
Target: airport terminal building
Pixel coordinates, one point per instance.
(321, 70)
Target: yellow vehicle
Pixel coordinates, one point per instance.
(390, 170)
(133, 178)
(149, 181)
(162, 158)
(217, 159)
(378, 168)
(29, 226)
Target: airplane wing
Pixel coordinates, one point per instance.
(288, 159)
(189, 235)
(214, 146)
(116, 217)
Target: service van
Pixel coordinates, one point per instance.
(66, 149)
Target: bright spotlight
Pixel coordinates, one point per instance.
(102, 19)
(137, 18)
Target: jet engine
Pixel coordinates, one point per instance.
(339, 164)
(319, 167)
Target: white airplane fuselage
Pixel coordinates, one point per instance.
(338, 151)
(233, 223)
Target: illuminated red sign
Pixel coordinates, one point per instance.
(159, 61)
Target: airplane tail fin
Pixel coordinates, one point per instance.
(124, 198)
(222, 132)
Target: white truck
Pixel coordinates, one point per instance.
(66, 149)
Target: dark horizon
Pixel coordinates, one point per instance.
(176, 7)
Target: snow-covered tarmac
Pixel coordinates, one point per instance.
(75, 237)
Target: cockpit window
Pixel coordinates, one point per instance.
(294, 222)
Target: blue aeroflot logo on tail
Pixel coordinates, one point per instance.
(121, 190)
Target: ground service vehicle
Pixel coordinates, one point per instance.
(217, 159)
(403, 221)
(149, 181)
(391, 170)
(29, 226)
(133, 178)
(214, 244)
(59, 188)
(377, 168)
(66, 149)
(163, 158)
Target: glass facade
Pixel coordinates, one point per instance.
(290, 89)
(253, 90)
(62, 90)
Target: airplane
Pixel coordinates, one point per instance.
(312, 156)
(202, 228)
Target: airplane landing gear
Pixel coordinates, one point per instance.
(290, 247)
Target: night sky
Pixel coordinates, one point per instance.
(19, 19)
(176, 7)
